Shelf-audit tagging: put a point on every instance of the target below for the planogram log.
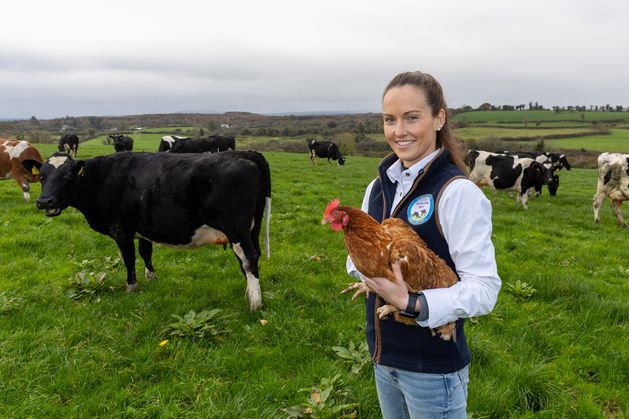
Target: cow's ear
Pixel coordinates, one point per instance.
(79, 168)
(32, 166)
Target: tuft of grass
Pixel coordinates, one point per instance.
(205, 325)
(357, 355)
(8, 302)
(325, 400)
(89, 283)
(520, 289)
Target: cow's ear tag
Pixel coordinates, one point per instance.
(35, 170)
(81, 171)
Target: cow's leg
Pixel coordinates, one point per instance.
(248, 258)
(313, 157)
(127, 250)
(23, 184)
(597, 202)
(524, 198)
(146, 252)
(616, 206)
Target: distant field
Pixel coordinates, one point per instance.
(472, 133)
(493, 117)
(617, 141)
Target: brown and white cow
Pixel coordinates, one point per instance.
(613, 181)
(12, 153)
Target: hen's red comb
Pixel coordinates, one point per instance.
(333, 204)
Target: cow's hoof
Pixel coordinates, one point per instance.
(255, 306)
(149, 275)
(132, 287)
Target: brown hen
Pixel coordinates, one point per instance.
(375, 247)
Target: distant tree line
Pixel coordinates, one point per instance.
(535, 106)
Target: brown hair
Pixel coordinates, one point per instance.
(435, 99)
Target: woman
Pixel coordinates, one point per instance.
(419, 375)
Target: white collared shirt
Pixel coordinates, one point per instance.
(465, 220)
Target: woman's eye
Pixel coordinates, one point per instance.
(389, 120)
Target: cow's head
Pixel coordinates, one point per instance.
(341, 160)
(559, 161)
(564, 161)
(59, 175)
(545, 174)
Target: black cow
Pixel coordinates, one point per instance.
(184, 200)
(507, 172)
(122, 142)
(167, 142)
(69, 143)
(325, 149)
(212, 144)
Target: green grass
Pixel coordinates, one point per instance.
(560, 352)
(617, 141)
(480, 133)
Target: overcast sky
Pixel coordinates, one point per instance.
(120, 57)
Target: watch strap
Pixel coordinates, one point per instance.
(410, 306)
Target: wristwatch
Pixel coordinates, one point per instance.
(410, 307)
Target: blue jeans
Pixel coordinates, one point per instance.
(414, 395)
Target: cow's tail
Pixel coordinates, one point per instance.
(267, 246)
(264, 201)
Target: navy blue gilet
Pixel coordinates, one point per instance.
(411, 347)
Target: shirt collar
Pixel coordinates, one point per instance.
(396, 170)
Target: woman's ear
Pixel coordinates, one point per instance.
(440, 119)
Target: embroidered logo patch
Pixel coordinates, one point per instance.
(421, 209)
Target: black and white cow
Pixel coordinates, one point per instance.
(212, 144)
(613, 181)
(167, 142)
(508, 173)
(122, 142)
(325, 149)
(69, 143)
(185, 200)
(543, 158)
(557, 160)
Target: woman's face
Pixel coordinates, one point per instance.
(409, 126)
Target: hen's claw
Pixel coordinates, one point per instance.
(360, 287)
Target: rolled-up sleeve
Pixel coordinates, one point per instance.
(465, 219)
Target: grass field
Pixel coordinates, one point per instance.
(508, 117)
(555, 345)
(473, 133)
(617, 141)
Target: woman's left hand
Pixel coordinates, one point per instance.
(394, 292)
